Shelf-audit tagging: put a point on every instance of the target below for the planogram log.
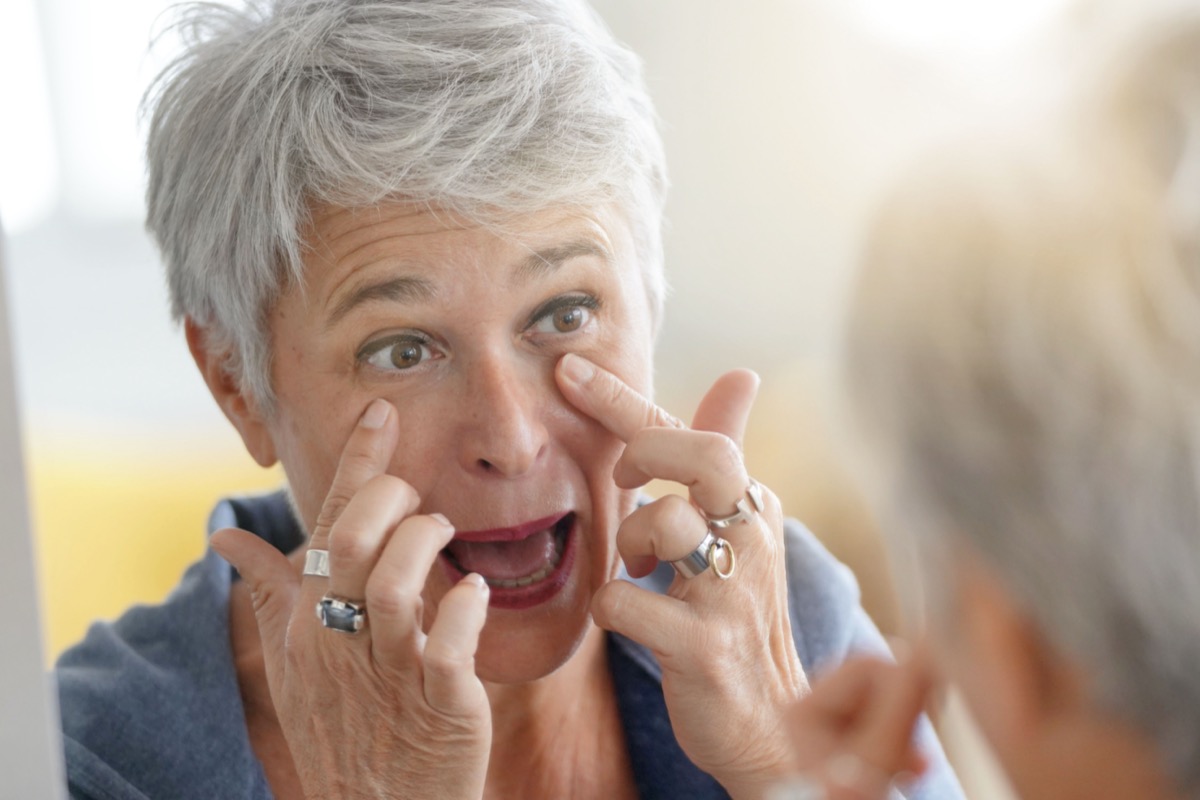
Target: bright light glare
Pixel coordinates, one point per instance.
(28, 167)
(963, 25)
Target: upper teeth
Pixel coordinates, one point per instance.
(512, 583)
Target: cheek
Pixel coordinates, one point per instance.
(309, 449)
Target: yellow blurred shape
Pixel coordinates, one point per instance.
(118, 518)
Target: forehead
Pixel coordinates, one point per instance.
(424, 241)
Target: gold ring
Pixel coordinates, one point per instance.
(721, 546)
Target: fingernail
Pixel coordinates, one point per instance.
(577, 369)
(442, 519)
(479, 582)
(375, 415)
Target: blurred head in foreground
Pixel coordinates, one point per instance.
(1023, 366)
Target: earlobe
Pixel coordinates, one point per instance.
(239, 407)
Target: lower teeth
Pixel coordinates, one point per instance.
(541, 574)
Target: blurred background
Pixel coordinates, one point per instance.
(783, 120)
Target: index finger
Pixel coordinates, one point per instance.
(607, 399)
(366, 455)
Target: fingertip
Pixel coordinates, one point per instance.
(480, 584)
(228, 544)
(606, 604)
(575, 369)
(218, 541)
(376, 414)
(444, 530)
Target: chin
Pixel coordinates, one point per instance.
(529, 649)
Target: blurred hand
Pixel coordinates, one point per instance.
(389, 711)
(853, 734)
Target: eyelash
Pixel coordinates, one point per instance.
(373, 349)
(586, 301)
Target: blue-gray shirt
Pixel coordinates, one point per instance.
(151, 707)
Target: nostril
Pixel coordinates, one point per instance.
(487, 465)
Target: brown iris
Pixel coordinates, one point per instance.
(406, 354)
(568, 319)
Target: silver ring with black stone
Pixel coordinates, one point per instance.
(342, 615)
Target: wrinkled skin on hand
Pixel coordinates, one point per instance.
(730, 668)
(380, 713)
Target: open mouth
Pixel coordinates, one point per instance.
(524, 566)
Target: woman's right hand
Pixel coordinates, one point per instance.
(388, 711)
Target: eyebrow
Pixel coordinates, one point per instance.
(404, 289)
(543, 262)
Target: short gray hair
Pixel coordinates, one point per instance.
(477, 107)
(1023, 362)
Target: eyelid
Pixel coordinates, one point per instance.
(582, 300)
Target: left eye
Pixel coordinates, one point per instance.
(399, 353)
(564, 319)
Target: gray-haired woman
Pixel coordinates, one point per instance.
(1024, 362)
(415, 247)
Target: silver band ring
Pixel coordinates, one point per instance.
(342, 615)
(316, 563)
(706, 556)
(748, 506)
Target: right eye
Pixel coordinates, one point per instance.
(396, 353)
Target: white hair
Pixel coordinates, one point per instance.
(476, 107)
(1023, 358)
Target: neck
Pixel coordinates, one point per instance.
(541, 746)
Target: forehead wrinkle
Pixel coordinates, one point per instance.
(547, 260)
(400, 289)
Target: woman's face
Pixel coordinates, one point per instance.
(460, 328)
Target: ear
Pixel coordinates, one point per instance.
(239, 407)
(1020, 686)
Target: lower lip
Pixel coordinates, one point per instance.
(521, 597)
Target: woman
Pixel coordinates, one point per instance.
(1024, 361)
(415, 248)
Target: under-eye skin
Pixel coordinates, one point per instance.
(396, 353)
(564, 314)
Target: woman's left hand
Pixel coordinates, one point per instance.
(730, 669)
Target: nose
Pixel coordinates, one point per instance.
(504, 432)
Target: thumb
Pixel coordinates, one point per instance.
(270, 577)
(725, 407)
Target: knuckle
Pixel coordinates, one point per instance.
(670, 420)
(268, 602)
(357, 464)
(723, 454)
(389, 600)
(444, 660)
(335, 503)
(673, 511)
(348, 546)
(395, 488)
